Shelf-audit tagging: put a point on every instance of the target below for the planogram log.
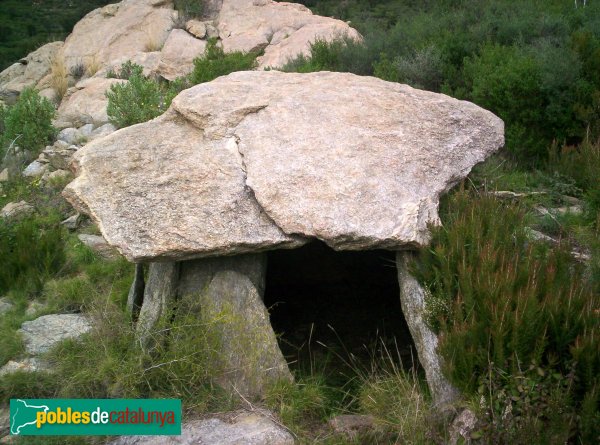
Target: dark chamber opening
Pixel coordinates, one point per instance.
(313, 289)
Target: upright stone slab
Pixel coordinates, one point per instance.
(229, 291)
(412, 298)
(159, 294)
(226, 295)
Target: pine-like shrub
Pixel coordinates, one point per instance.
(498, 300)
(139, 99)
(29, 121)
(215, 63)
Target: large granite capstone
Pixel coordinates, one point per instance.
(256, 161)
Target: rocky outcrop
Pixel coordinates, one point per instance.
(178, 54)
(412, 298)
(119, 30)
(283, 30)
(236, 428)
(223, 171)
(85, 103)
(29, 71)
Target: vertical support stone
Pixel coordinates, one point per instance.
(159, 295)
(412, 299)
(135, 298)
(230, 292)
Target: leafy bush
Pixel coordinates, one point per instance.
(216, 63)
(29, 120)
(497, 299)
(140, 99)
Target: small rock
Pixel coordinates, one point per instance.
(211, 31)
(35, 170)
(33, 308)
(29, 364)
(4, 175)
(240, 429)
(58, 175)
(539, 236)
(69, 135)
(5, 305)
(72, 222)
(351, 424)
(196, 28)
(102, 131)
(41, 334)
(59, 158)
(16, 210)
(87, 130)
(462, 427)
(98, 244)
(571, 200)
(573, 210)
(59, 145)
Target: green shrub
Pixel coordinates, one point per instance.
(128, 70)
(497, 299)
(139, 99)
(190, 8)
(342, 54)
(422, 69)
(31, 250)
(29, 120)
(216, 63)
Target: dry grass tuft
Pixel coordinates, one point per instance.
(92, 65)
(58, 76)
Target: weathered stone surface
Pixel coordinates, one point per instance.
(102, 131)
(412, 299)
(352, 424)
(69, 135)
(14, 210)
(196, 28)
(159, 294)
(58, 156)
(135, 298)
(72, 222)
(4, 175)
(249, 359)
(5, 306)
(34, 68)
(178, 54)
(462, 427)
(86, 103)
(283, 30)
(35, 170)
(235, 429)
(228, 292)
(118, 31)
(98, 244)
(28, 364)
(41, 334)
(224, 172)
(58, 175)
(215, 215)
